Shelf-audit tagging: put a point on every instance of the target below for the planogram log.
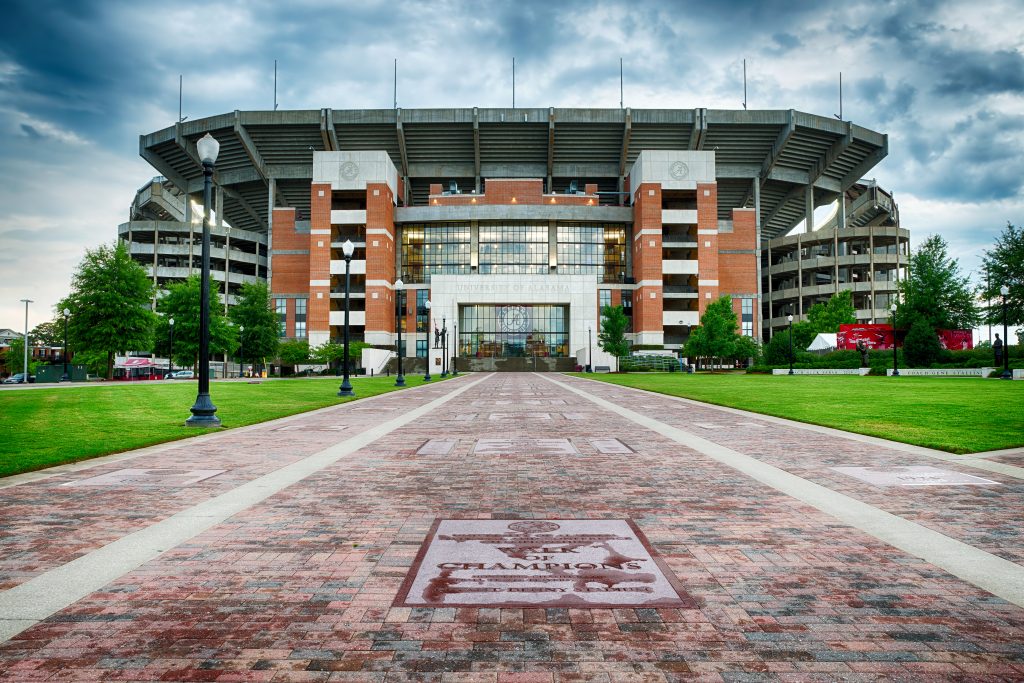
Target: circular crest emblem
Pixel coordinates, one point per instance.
(535, 527)
(514, 319)
(349, 170)
(679, 170)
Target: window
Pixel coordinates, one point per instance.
(604, 298)
(300, 318)
(421, 348)
(513, 248)
(421, 310)
(747, 316)
(593, 248)
(439, 248)
(515, 330)
(281, 308)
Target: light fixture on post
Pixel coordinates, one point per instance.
(590, 349)
(444, 347)
(1005, 291)
(789, 318)
(203, 411)
(241, 349)
(455, 354)
(347, 250)
(170, 353)
(26, 376)
(895, 364)
(399, 290)
(426, 375)
(64, 355)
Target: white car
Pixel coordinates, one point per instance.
(181, 374)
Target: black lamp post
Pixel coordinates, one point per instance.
(590, 349)
(1005, 291)
(170, 354)
(241, 349)
(455, 354)
(346, 249)
(203, 411)
(895, 364)
(399, 290)
(64, 355)
(790, 319)
(426, 375)
(444, 347)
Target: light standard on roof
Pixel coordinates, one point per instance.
(789, 318)
(399, 290)
(895, 365)
(426, 375)
(241, 349)
(444, 347)
(65, 377)
(170, 354)
(1005, 291)
(203, 411)
(346, 249)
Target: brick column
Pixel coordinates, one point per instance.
(737, 260)
(646, 249)
(707, 244)
(318, 310)
(380, 264)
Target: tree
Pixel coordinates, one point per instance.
(1004, 265)
(261, 335)
(293, 352)
(776, 351)
(718, 335)
(921, 346)
(182, 304)
(49, 333)
(612, 335)
(16, 357)
(838, 310)
(936, 291)
(109, 303)
(333, 354)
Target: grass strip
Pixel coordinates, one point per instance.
(954, 414)
(47, 427)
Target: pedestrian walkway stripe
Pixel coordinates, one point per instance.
(29, 603)
(1000, 577)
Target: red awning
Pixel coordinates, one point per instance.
(135, 363)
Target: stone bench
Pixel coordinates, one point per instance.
(943, 372)
(822, 371)
(602, 368)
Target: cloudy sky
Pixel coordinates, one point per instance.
(81, 79)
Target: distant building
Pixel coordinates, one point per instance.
(516, 224)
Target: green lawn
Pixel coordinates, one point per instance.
(960, 415)
(46, 427)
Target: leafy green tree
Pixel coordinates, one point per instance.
(921, 346)
(109, 303)
(776, 351)
(16, 357)
(718, 334)
(1004, 265)
(49, 333)
(260, 338)
(182, 304)
(612, 335)
(294, 352)
(936, 291)
(828, 316)
(333, 354)
(744, 348)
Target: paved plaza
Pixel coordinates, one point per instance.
(516, 528)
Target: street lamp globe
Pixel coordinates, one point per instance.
(208, 148)
(1004, 290)
(67, 312)
(348, 248)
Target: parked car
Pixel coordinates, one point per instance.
(181, 374)
(19, 378)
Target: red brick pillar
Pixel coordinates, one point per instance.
(380, 263)
(318, 311)
(707, 244)
(647, 299)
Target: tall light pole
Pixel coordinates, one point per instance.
(347, 250)
(590, 349)
(203, 411)
(170, 354)
(25, 367)
(789, 318)
(64, 355)
(895, 365)
(426, 375)
(399, 290)
(455, 354)
(1005, 291)
(444, 347)
(241, 349)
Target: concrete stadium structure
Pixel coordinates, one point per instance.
(519, 223)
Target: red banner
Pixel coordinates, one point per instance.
(956, 340)
(873, 336)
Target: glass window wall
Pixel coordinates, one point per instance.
(511, 248)
(437, 248)
(504, 331)
(593, 248)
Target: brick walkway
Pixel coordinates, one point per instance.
(286, 566)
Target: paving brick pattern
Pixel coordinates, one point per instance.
(301, 586)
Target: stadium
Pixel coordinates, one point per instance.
(518, 224)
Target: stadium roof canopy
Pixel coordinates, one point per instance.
(784, 151)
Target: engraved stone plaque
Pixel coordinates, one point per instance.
(912, 475)
(141, 477)
(539, 563)
(520, 416)
(436, 447)
(576, 416)
(524, 447)
(310, 428)
(610, 446)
